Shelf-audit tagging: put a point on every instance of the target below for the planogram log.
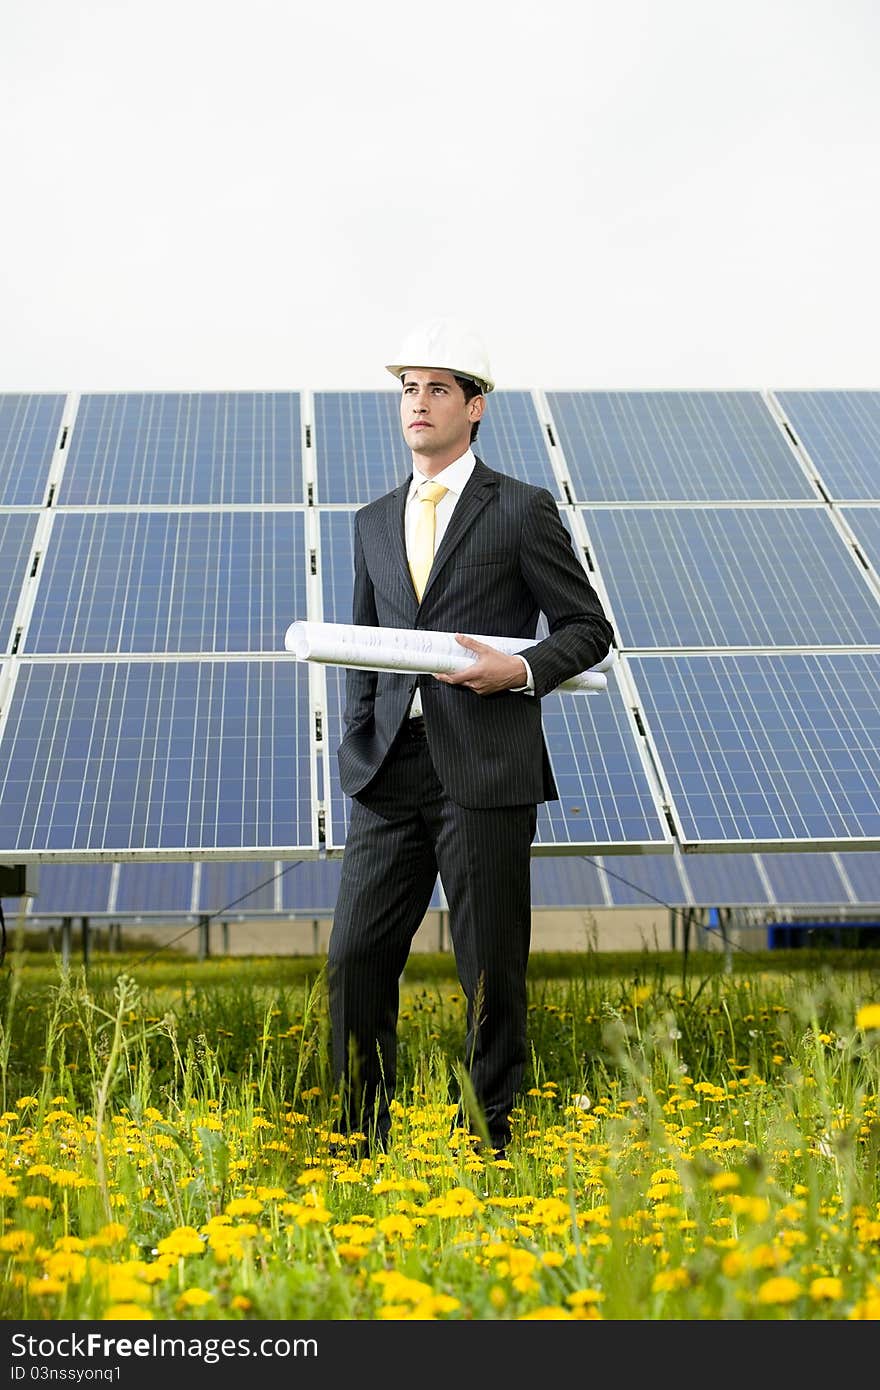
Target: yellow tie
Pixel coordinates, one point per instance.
(422, 551)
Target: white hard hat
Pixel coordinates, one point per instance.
(448, 344)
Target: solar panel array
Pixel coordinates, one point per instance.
(154, 547)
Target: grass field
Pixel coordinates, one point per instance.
(694, 1143)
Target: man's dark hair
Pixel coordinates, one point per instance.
(470, 389)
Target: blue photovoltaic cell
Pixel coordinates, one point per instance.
(725, 880)
(337, 566)
(175, 756)
(605, 798)
(16, 537)
(149, 888)
(29, 427)
(645, 880)
(731, 577)
(804, 878)
(758, 749)
(564, 881)
(863, 873)
(170, 582)
(309, 888)
(361, 453)
(140, 449)
(840, 431)
(238, 888)
(70, 890)
(674, 446)
(865, 524)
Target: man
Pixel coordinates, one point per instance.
(446, 772)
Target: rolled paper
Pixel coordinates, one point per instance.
(419, 652)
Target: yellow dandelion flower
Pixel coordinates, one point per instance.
(779, 1290)
(667, 1280)
(826, 1287)
(582, 1297)
(8, 1187)
(399, 1288)
(126, 1312)
(867, 1018)
(350, 1253)
(397, 1226)
(185, 1240)
(38, 1203)
(498, 1297)
(27, 1102)
(66, 1264)
(724, 1182)
(552, 1259)
(241, 1303)
(45, 1286)
(194, 1298)
(110, 1234)
(123, 1288)
(13, 1242)
(244, 1206)
(313, 1216)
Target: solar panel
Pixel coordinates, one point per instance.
(360, 452)
(147, 449)
(804, 878)
(569, 881)
(675, 446)
(131, 757)
(760, 751)
(862, 875)
(840, 431)
(16, 538)
(145, 889)
(731, 577)
(170, 582)
(72, 890)
(647, 880)
(865, 525)
(238, 888)
(29, 432)
(606, 800)
(725, 880)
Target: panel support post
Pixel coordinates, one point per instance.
(66, 933)
(204, 937)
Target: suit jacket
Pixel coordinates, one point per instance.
(504, 559)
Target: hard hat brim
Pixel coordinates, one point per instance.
(397, 369)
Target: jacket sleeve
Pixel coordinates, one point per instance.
(360, 686)
(580, 633)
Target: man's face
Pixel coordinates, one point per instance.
(435, 416)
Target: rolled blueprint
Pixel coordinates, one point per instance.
(419, 652)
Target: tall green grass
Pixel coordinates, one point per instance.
(698, 1144)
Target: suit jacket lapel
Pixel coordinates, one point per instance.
(478, 490)
(395, 508)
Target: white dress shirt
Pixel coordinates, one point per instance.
(453, 477)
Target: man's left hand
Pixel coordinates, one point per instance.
(492, 671)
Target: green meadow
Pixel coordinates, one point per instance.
(698, 1139)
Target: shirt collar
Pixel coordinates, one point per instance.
(453, 476)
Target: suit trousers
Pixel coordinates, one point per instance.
(403, 830)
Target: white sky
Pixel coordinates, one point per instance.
(200, 195)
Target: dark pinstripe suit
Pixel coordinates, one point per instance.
(463, 799)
